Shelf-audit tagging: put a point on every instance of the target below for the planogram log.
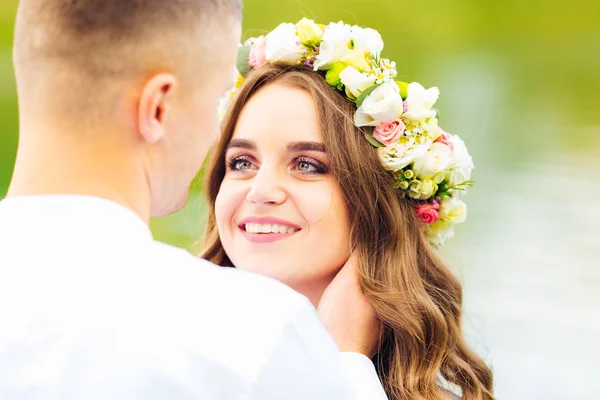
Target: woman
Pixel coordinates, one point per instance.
(324, 155)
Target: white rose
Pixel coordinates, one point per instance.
(383, 104)
(427, 189)
(419, 102)
(283, 45)
(437, 159)
(462, 163)
(453, 210)
(334, 45)
(398, 155)
(355, 82)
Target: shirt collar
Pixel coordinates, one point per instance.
(94, 212)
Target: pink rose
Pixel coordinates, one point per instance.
(428, 213)
(257, 57)
(389, 132)
(445, 139)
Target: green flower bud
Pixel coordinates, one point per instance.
(439, 178)
(415, 185)
(332, 77)
(403, 89)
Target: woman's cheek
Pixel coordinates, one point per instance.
(315, 203)
(228, 201)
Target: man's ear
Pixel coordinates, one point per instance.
(153, 107)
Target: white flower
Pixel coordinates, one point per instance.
(365, 42)
(400, 154)
(349, 44)
(437, 159)
(387, 70)
(226, 100)
(432, 128)
(355, 82)
(283, 45)
(453, 210)
(309, 32)
(427, 189)
(420, 101)
(334, 45)
(224, 103)
(383, 104)
(462, 163)
(439, 232)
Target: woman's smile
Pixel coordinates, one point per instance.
(267, 229)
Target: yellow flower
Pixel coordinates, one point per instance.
(309, 32)
(453, 211)
(239, 81)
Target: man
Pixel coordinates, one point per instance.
(118, 106)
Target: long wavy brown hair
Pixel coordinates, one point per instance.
(417, 298)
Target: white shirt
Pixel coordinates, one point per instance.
(91, 307)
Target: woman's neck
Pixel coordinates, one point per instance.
(314, 289)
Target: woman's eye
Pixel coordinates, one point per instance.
(309, 166)
(240, 164)
(304, 166)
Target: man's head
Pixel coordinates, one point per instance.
(146, 74)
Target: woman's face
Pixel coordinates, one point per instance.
(279, 210)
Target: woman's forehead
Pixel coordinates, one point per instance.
(279, 113)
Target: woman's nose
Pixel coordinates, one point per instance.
(267, 187)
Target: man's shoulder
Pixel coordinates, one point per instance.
(207, 279)
(225, 315)
(229, 297)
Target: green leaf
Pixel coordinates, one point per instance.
(364, 95)
(373, 141)
(464, 185)
(445, 191)
(243, 60)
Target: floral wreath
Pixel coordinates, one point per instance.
(429, 165)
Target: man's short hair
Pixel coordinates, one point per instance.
(100, 41)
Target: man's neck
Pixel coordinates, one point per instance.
(51, 165)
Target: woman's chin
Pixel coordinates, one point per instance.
(310, 285)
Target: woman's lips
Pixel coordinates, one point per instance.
(267, 229)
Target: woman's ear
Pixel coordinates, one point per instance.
(153, 108)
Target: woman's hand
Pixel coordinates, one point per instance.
(347, 315)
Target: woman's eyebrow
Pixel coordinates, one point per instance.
(241, 144)
(296, 147)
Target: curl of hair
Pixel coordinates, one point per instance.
(416, 297)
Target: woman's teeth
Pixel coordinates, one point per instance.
(268, 228)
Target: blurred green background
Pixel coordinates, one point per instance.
(519, 82)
